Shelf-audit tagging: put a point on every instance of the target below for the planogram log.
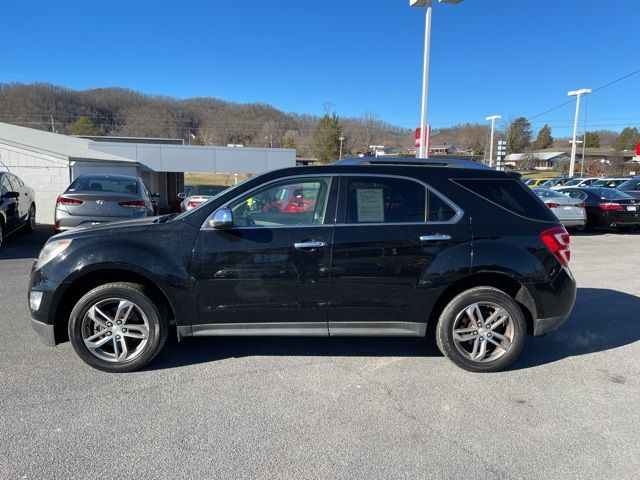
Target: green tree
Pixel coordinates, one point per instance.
(84, 126)
(519, 135)
(592, 140)
(325, 144)
(627, 139)
(288, 142)
(544, 139)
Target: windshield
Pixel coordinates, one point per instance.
(104, 183)
(207, 190)
(612, 194)
(227, 190)
(553, 182)
(546, 193)
(573, 182)
(630, 184)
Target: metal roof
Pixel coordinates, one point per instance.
(54, 144)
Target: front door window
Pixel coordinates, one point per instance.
(294, 202)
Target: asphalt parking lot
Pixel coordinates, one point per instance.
(333, 408)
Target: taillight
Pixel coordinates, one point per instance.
(581, 205)
(134, 204)
(192, 204)
(611, 207)
(67, 201)
(556, 239)
(553, 205)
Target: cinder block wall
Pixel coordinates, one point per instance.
(47, 175)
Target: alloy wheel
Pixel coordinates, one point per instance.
(483, 332)
(115, 330)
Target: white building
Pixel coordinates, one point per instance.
(49, 162)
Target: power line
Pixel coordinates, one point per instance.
(592, 92)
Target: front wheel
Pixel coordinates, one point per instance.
(117, 327)
(481, 330)
(30, 226)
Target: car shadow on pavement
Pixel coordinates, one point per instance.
(197, 350)
(602, 319)
(22, 245)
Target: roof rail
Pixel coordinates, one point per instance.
(427, 162)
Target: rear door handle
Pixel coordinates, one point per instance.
(435, 238)
(309, 245)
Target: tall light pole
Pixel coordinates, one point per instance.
(424, 149)
(492, 119)
(577, 94)
(341, 140)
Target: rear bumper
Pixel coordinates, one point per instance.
(553, 301)
(65, 221)
(578, 222)
(542, 326)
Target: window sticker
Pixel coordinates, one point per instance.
(370, 205)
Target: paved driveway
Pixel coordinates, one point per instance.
(333, 408)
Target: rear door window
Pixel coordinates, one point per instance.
(509, 194)
(384, 200)
(439, 209)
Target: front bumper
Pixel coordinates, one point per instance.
(45, 332)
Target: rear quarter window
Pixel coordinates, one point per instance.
(509, 194)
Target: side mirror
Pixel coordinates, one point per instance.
(11, 195)
(182, 195)
(222, 219)
(155, 195)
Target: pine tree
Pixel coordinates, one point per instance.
(592, 140)
(519, 135)
(325, 144)
(627, 139)
(84, 126)
(544, 139)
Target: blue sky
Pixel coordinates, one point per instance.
(511, 57)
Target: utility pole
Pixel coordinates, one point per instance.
(341, 140)
(577, 94)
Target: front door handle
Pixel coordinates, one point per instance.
(437, 237)
(309, 245)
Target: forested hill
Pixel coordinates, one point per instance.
(125, 112)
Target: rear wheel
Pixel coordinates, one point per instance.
(117, 327)
(481, 330)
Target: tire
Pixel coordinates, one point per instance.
(30, 226)
(142, 333)
(508, 323)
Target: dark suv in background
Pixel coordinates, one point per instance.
(382, 250)
(17, 205)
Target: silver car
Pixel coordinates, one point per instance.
(570, 211)
(93, 199)
(198, 194)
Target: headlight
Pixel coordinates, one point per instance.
(51, 250)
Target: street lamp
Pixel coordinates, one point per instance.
(341, 140)
(577, 94)
(492, 119)
(424, 150)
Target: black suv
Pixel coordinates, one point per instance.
(340, 250)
